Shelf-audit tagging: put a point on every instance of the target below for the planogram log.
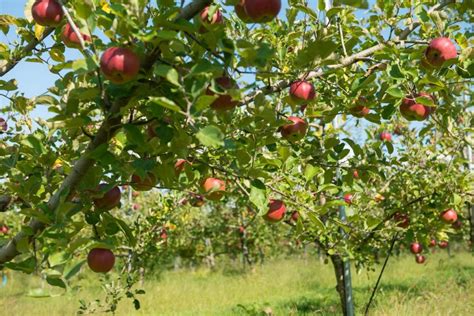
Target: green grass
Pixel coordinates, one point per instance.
(443, 286)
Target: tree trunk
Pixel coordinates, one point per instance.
(339, 271)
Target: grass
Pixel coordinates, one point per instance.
(443, 286)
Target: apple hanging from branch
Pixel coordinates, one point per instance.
(119, 64)
(101, 260)
(47, 12)
(276, 211)
(439, 51)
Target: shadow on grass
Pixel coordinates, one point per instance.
(297, 306)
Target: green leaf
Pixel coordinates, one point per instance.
(169, 73)
(56, 282)
(315, 220)
(74, 270)
(58, 258)
(310, 171)
(134, 135)
(258, 196)
(395, 92)
(28, 265)
(211, 136)
(166, 103)
(127, 231)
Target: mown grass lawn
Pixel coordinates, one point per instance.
(295, 286)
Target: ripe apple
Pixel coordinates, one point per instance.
(209, 22)
(4, 229)
(108, 200)
(440, 50)
(355, 174)
(196, 200)
(449, 216)
(360, 109)
(119, 64)
(413, 111)
(420, 259)
(295, 216)
(3, 125)
(294, 131)
(164, 234)
(443, 244)
(179, 165)
(242, 230)
(101, 260)
(385, 137)
(224, 102)
(302, 91)
(261, 11)
(136, 206)
(145, 184)
(213, 188)
(457, 224)
(402, 219)
(432, 243)
(241, 13)
(276, 211)
(47, 12)
(348, 198)
(70, 38)
(416, 248)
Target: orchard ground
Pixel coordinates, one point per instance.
(286, 286)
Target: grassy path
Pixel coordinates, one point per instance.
(443, 286)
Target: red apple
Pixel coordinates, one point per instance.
(4, 229)
(179, 165)
(416, 248)
(402, 219)
(208, 21)
(196, 200)
(385, 137)
(108, 200)
(294, 131)
(355, 174)
(101, 260)
(70, 38)
(432, 243)
(224, 102)
(119, 64)
(457, 224)
(213, 188)
(348, 198)
(241, 229)
(360, 109)
(261, 11)
(3, 125)
(413, 111)
(440, 50)
(276, 211)
(449, 216)
(136, 206)
(302, 91)
(241, 13)
(295, 216)
(164, 234)
(443, 244)
(145, 184)
(420, 259)
(47, 12)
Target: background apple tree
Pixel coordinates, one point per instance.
(245, 122)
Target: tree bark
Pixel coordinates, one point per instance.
(471, 224)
